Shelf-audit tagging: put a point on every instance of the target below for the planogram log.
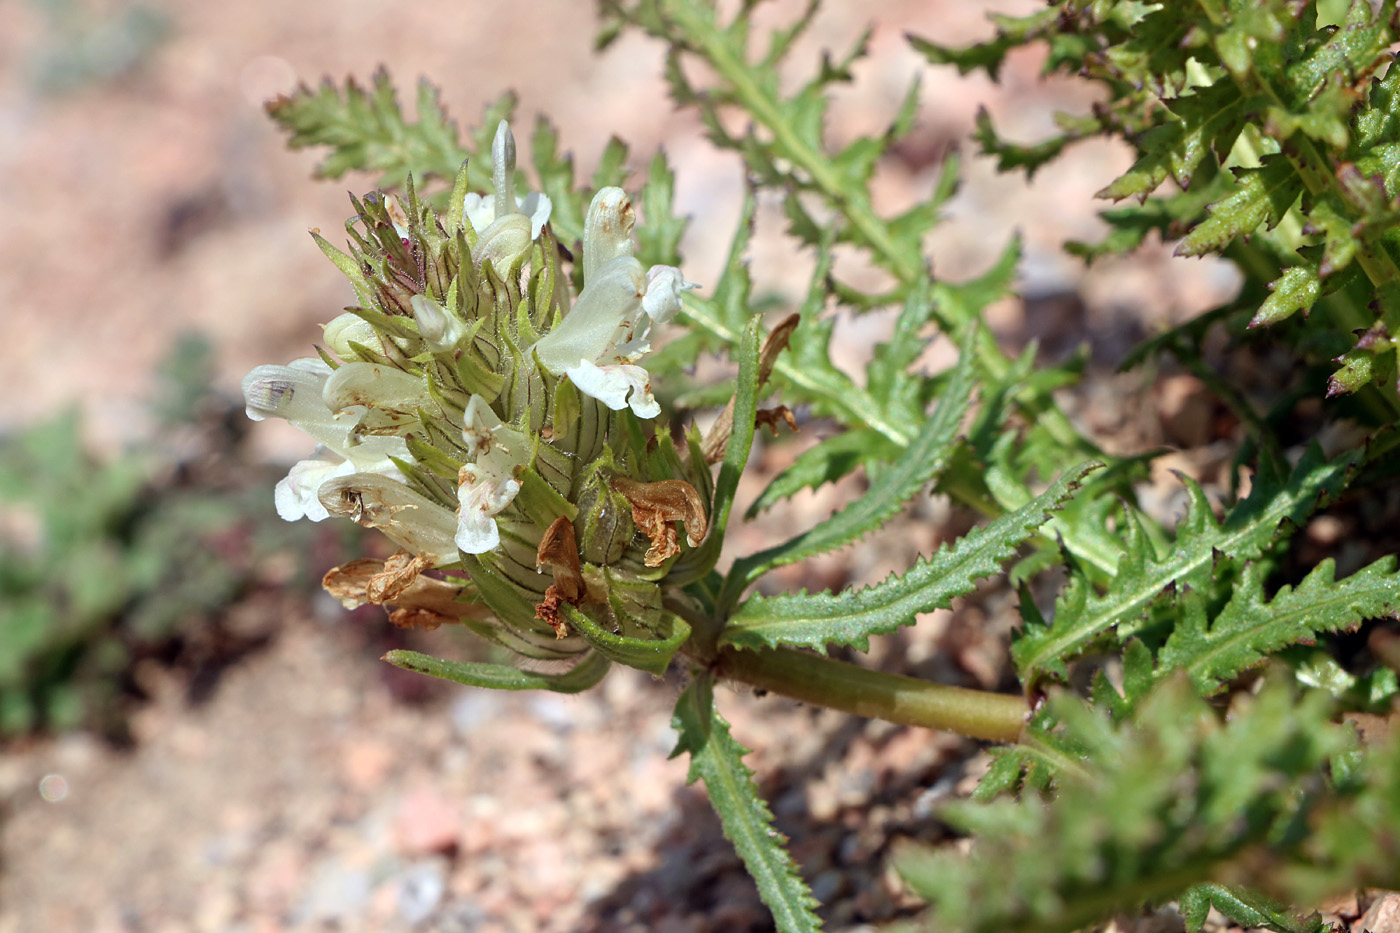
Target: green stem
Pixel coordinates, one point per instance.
(811, 678)
(760, 100)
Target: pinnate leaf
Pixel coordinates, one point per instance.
(815, 620)
(1251, 626)
(1143, 574)
(718, 760)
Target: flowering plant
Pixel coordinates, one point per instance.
(490, 404)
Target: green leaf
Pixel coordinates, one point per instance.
(1011, 156)
(660, 231)
(1012, 33)
(1143, 573)
(1147, 808)
(1209, 119)
(583, 675)
(718, 760)
(818, 619)
(1244, 908)
(1294, 291)
(826, 462)
(736, 452)
(1251, 627)
(1260, 198)
(919, 464)
(366, 130)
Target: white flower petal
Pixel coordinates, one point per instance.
(536, 206)
(479, 211)
(312, 364)
(342, 330)
(610, 301)
(408, 518)
(662, 300)
(476, 532)
(440, 329)
(482, 494)
(375, 385)
(616, 385)
(479, 425)
(503, 169)
(607, 231)
(504, 241)
(290, 392)
(296, 494)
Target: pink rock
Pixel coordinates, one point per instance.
(427, 821)
(366, 763)
(1383, 916)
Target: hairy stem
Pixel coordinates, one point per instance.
(811, 678)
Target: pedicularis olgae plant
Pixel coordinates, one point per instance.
(1187, 728)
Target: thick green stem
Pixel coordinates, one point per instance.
(909, 701)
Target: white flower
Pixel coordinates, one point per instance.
(298, 392)
(487, 485)
(482, 494)
(506, 225)
(601, 338)
(295, 495)
(377, 501)
(345, 328)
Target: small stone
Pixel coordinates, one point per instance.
(338, 892)
(472, 709)
(365, 763)
(427, 822)
(420, 889)
(1383, 916)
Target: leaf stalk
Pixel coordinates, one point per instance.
(811, 678)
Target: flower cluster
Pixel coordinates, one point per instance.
(487, 420)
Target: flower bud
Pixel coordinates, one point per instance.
(344, 329)
(503, 242)
(440, 330)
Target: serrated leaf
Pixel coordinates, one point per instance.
(1012, 156)
(1358, 369)
(1260, 198)
(659, 234)
(1242, 907)
(987, 56)
(1207, 120)
(1294, 291)
(815, 620)
(1145, 809)
(366, 130)
(917, 465)
(718, 760)
(1143, 573)
(583, 675)
(1252, 626)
